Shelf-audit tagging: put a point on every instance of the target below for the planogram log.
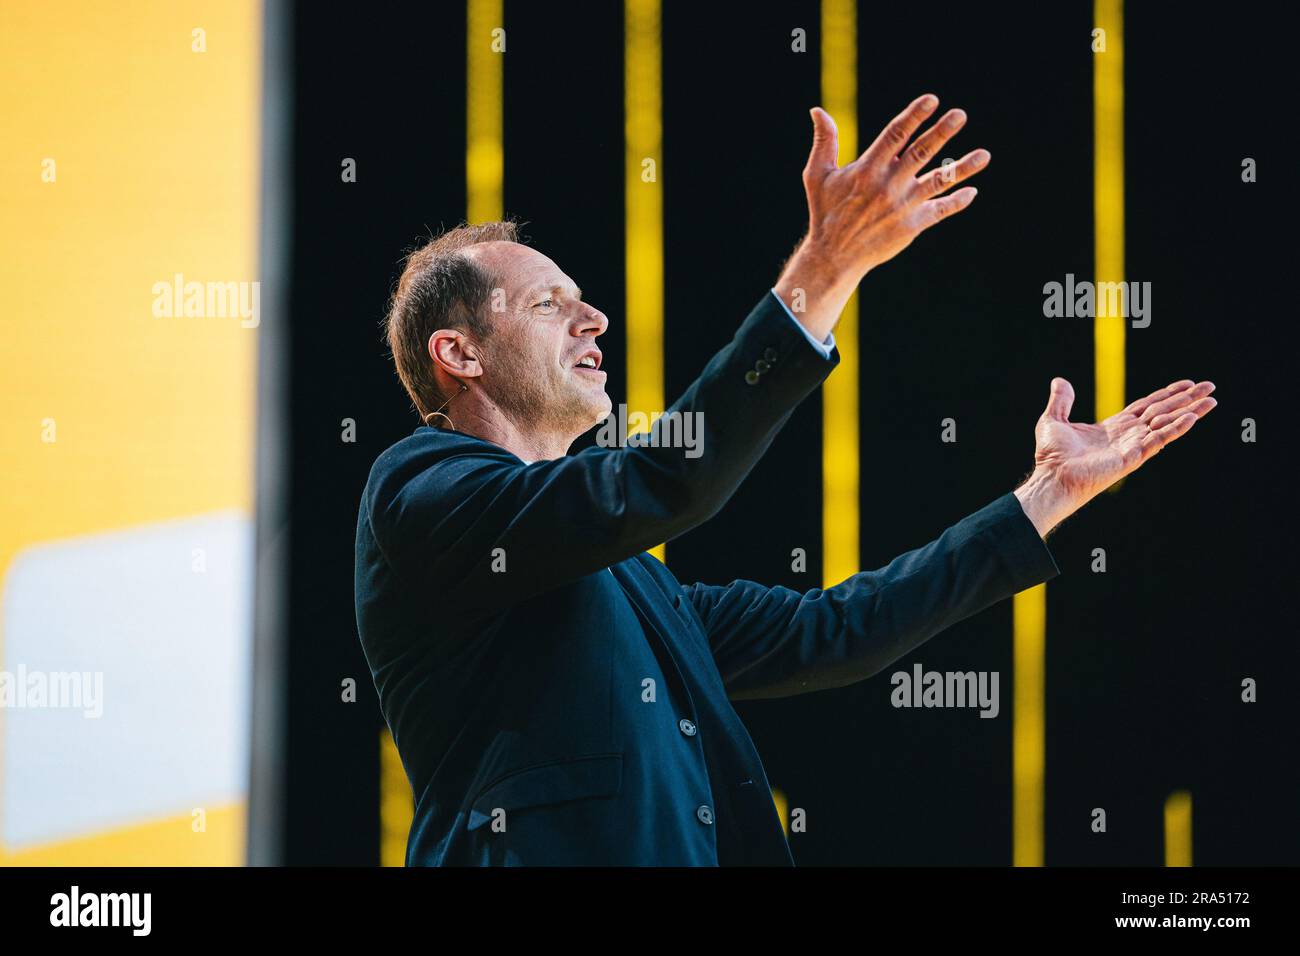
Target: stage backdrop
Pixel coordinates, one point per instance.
(1123, 690)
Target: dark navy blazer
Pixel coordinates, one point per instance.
(557, 696)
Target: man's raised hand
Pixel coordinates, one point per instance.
(868, 211)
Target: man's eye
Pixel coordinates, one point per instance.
(545, 304)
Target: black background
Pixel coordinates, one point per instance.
(1145, 662)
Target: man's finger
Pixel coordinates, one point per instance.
(940, 180)
(1060, 400)
(894, 137)
(936, 210)
(1157, 440)
(1200, 409)
(929, 143)
(824, 157)
(1138, 406)
(1175, 402)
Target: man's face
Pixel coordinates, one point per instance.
(541, 364)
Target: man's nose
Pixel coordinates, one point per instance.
(593, 322)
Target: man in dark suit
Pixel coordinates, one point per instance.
(556, 696)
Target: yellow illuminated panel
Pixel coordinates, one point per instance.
(1108, 199)
(840, 478)
(396, 804)
(1029, 623)
(644, 201)
(131, 158)
(1178, 829)
(485, 155)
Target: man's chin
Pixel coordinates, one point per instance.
(602, 410)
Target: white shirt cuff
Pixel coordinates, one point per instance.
(824, 347)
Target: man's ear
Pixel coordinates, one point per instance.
(455, 354)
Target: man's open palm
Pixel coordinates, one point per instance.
(1087, 459)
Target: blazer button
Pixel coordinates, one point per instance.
(751, 377)
(770, 355)
(686, 727)
(705, 815)
(760, 366)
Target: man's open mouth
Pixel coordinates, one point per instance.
(589, 362)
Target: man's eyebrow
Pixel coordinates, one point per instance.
(541, 289)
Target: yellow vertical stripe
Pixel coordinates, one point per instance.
(1108, 199)
(1178, 829)
(782, 804)
(839, 82)
(643, 199)
(484, 153)
(1029, 615)
(396, 805)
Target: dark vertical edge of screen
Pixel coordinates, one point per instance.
(268, 727)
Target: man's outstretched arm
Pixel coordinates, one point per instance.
(443, 513)
(455, 514)
(775, 642)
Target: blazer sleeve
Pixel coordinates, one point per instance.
(466, 517)
(776, 642)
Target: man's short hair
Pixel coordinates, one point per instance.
(440, 288)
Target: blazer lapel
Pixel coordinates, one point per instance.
(645, 596)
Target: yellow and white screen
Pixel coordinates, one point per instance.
(129, 316)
